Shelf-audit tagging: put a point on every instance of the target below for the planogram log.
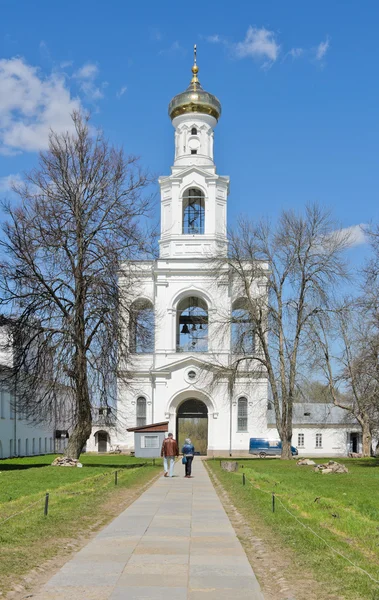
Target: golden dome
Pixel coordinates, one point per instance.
(194, 99)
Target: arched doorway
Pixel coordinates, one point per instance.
(192, 422)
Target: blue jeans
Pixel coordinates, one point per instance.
(165, 464)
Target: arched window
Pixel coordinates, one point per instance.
(141, 411)
(192, 325)
(193, 211)
(142, 327)
(242, 330)
(193, 131)
(242, 414)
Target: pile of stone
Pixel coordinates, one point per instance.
(305, 462)
(331, 467)
(64, 461)
(230, 466)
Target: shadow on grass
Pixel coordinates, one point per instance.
(14, 467)
(364, 462)
(119, 466)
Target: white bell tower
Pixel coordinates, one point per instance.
(193, 197)
(182, 301)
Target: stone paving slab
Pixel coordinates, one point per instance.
(175, 541)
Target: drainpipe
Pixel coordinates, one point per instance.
(15, 447)
(230, 418)
(55, 424)
(153, 378)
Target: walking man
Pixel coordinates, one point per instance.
(169, 451)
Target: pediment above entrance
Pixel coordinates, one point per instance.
(182, 364)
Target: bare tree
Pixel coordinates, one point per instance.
(284, 275)
(79, 216)
(371, 287)
(348, 347)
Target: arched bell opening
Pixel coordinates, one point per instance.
(192, 325)
(193, 210)
(242, 328)
(192, 423)
(141, 327)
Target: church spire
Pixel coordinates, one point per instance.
(195, 69)
(194, 99)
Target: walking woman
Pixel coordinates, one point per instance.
(188, 452)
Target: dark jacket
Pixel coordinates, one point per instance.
(169, 447)
(188, 450)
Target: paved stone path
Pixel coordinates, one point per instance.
(175, 542)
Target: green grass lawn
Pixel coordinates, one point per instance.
(77, 501)
(341, 508)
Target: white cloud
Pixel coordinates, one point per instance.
(259, 44)
(121, 91)
(87, 71)
(213, 39)
(296, 52)
(86, 76)
(322, 49)
(7, 182)
(354, 235)
(175, 48)
(30, 105)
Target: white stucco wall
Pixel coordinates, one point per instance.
(17, 436)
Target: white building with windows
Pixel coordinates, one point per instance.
(321, 429)
(183, 304)
(19, 436)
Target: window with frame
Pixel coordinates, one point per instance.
(10, 447)
(141, 411)
(142, 327)
(242, 414)
(242, 330)
(193, 131)
(300, 440)
(318, 440)
(26, 447)
(150, 441)
(12, 411)
(193, 211)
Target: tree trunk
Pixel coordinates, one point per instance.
(78, 438)
(286, 447)
(376, 452)
(366, 439)
(83, 427)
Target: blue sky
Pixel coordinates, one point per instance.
(297, 81)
